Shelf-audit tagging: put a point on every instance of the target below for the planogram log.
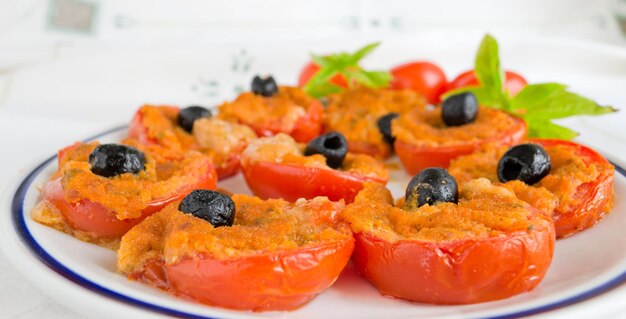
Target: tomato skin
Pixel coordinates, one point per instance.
(308, 126)
(309, 70)
(272, 281)
(416, 158)
(513, 82)
(457, 272)
(290, 182)
(101, 222)
(597, 196)
(421, 76)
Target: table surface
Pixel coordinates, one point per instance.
(24, 43)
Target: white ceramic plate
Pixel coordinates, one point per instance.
(584, 266)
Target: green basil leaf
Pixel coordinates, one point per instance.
(321, 61)
(362, 52)
(545, 129)
(323, 89)
(565, 104)
(320, 79)
(535, 94)
(379, 78)
(487, 64)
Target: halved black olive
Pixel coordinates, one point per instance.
(384, 126)
(459, 109)
(264, 86)
(187, 116)
(110, 160)
(528, 163)
(214, 207)
(332, 145)
(432, 185)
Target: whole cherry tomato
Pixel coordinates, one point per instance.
(513, 83)
(309, 71)
(421, 76)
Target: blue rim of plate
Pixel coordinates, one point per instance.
(19, 222)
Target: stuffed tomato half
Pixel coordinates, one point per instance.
(241, 252)
(193, 128)
(270, 109)
(278, 167)
(100, 191)
(484, 245)
(435, 136)
(568, 181)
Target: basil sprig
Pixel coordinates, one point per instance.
(538, 104)
(347, 65)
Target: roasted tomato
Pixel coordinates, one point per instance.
(102, 209)
(289, 111)
(276, 255)
(423, 140)
(489, 246)
(222, 141)
(423, 77)
(513, 82)
(355, 113)
(309, 71)
(277, 168)
(577, 192)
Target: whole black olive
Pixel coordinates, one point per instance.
(214, 207)
(115, 159)
(264, 86)
(332, 145)
(384, 126)
(528, 163)
(459, 109)
(432, 185)
(187, 116)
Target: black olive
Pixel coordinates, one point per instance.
(384, 126)
(459, 109)
(264, 86)
(214, 207)
(187, 116)
(332, 145)
(432, 185)
(115, 159)
(528, 163)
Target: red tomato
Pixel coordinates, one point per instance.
(94, 218)
(265, 281)
(253, 283)
(137, 130)
(290, 182)
(423, 77)
(309, 71)
(416, 158)
(308, 126)
(457, 272)
(513, 81)
(597, 196)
